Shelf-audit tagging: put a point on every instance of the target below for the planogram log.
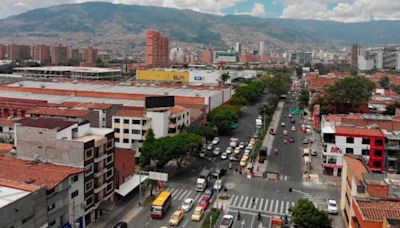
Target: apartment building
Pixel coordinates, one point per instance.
(7, 130)
(90, 55)
(392, 150)
(59, 55)
(157, 49)
(41, 53)
(131, 125)
(61, 199)
(76, 144)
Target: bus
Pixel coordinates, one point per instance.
(160, 205)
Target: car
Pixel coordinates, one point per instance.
(252, 141)
(285, 132)
(227, 221)
(121, 225)
(233, 142)
(219, 172)
(237, 150)
(241, 145)
(306, 141)
(208, 193)
(283, 124)
(332, 207)
(205, 146)
(313, 152)
(256, 134)
(291, 139)
(290, 115)
(176, 218)
(245, 157)
(204, 203)
(293, 128)
(232, 157)
(202, 153)
(243, 163)
(292, 120)
(247, 150)
(224, 156)
(216, 151)
(233, 126)
(250, 146)
(197, 214)
(187, 205)
(218, 184)
(215, 141)
(228, 150)
(209, 146)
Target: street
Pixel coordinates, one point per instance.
(247, 196)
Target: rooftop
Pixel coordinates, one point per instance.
(5, 148)
(177, 109)
(6, 122)
(49, 123)
(59, 112)
(37, 173)
(89, 105)
(358, 131)
(136, 112)
(69, 68)
(356, 165)
(374, 178)
(9, 195)
(378, 209)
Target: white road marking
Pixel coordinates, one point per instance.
(234, 202)
(261, 203)
(271, 205)
(240, 201)
(266, 204)
(176, 192)
(181, 196)
(282, 207)
(245, 201)
(287, 207)
(231, 199)
(255, 203)
(277, 206)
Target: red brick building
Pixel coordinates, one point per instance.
(18, 52)
(3, 51)
(41, 53)
(371, 213)
(207, 57)
(157, 49)
(59, 55)
(90, 55)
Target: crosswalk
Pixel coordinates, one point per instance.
(260, 204)
(182, 194)
(284, 178)
(320, 198)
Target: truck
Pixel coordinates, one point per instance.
(234, 142)
(258, 123)
(203, 179)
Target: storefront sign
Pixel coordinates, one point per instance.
(336, 150)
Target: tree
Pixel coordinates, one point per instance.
(305, 214)
(299, 71)
(222, 117)
(384, 82)
(224, 77)
(304, 98)
(277, 85)
(208, 131)
(351, 91)
(239, 101)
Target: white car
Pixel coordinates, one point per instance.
(224, 156)
(285, 132)
(209, 146)
(218, 184)
(216, 151)
(241, 145)
(215, 141)
(247, 150)
(187, 204)
(332, 207)
(293, 128)
(228, 150)
(283, 124)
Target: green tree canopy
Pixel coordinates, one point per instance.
(384, 82)
(304, 98)
(225, 77)
(305, 214)
(277, 85)
(352, 91)
(208, 131)
(251, 91)
(222, 117)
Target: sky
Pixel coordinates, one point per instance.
(334, 10)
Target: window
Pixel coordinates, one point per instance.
(74, 194)
(117, 130)
(136, 132)
(365, 152)
(89, 153)
(74, 178)
(109, 159)
(349, 150)
(379, 142)
(116, 140)
(126, 141)
(144, 132)
(126, 131)
(126, 121)
(89, 200)
(109, 173)
(109, 187)
(377, 164)
(135, 121)
(89, 170)
(110, 144)
(27, 219)
(52, 223)
(51, 207)
(88, 185)
(378, 153)
(349, 140)
(1, 129)
(366, 141)
(116, 120)
(144, 122)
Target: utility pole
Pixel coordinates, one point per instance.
(140, 188)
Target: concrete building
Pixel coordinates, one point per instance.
(238, 47)
(17, 52)
(7, 130)
(3, 52)
(131, 125)
(41, 54)
(22, 205)
(73, 53)
(84, 73)
(226, 57)
(207, 57)
(300, 57)
(63, 184)
(262, 48)
(90, 54)
(59, 55)
(392, 150)
(157, 49)
(380, 58)
(62, 142)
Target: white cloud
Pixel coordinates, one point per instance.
(343, 10)
(258, 10)
(9, 7)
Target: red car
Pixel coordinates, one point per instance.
(291, 139)
(204, 202)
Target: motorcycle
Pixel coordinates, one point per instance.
(276, 151)
(285, 141)
(259, 216)
(230, 165)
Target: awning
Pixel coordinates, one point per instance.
(131, 184)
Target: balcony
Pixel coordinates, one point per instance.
(101, 158)
(392, 158)
(392, 147)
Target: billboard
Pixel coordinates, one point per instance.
(160, 102)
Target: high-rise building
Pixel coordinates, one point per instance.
(3, 51)
(90, 55)
(238, 47)
(157, 49)
(355, 50)
(262, 48)
(17, 52)
(207, 56)
(41, 53)
(73, 53)
(59, 55)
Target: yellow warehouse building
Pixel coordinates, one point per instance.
(159, 75)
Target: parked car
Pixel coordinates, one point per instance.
(232, 157)
(243, 163)
(224, 156)
(121, 225)
(227, 221)
(219, 172)
(292, 120)
(197, 214)
(285, 132)
(247, 150)
(176, 218)
(216, 151)
(187, 204)
(215, 141)
(233, 126)
(313, 152)
(237, 150)
(218, 184)
(202, 153)
(209, 146)
(228, 150)
(293, 128)
(290, 115)
(332, 207)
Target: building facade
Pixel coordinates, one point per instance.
(41, 54)
(157, 49)
(59, 55)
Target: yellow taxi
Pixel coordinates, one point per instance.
(176, 218)
(197, 214)
(243, 163)
(252, 140)
(245, 157)
(237, 150)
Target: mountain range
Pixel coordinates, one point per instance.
(102, 23)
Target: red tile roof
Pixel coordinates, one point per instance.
(59, 112)
(357, 131)
(18, 185)
(49, 123)
(40, 174)
(177, 109)
(6, 122)
(131, 112)
(357, 166)
(5, 148)
(89, 105)
(376, 210)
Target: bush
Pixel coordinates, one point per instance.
(214, 214)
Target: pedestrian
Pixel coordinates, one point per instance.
(253, 200)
